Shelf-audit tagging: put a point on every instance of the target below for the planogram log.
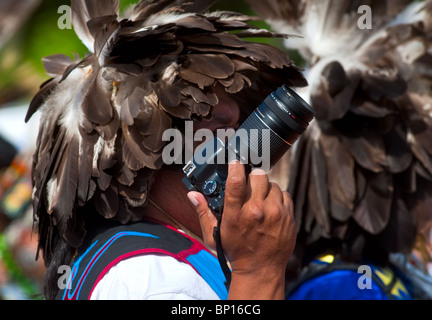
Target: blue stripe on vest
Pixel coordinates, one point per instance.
(209, 268)
(98, 254)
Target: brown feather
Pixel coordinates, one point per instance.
(44, 92)
(107, 201)
(379, 82)
(317, 195)
(97, 106)
(373, 211)
(400, 233)
(216, 66)
(56, 65)
(399, 156)
(367, 149)
(86, 10)
(300, 171)
(197, 78)
(169, 93)
(341, 180)
(105, 31)
(152, 133)
(146, 8)
(85, 165)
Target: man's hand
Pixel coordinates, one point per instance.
(257, 232)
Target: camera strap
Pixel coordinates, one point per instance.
(220, 254)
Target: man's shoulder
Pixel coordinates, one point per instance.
(152, 276)
(130, 257)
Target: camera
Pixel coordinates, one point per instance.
(260, 141)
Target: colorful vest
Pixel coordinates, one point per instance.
(120, 242)
(327, 278)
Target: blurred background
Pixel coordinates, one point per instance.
(29, 31)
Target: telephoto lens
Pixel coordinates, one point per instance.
(273, 127)
(259, 142)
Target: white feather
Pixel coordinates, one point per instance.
(65, 105)
(224, 16)
(170, 73)
(52, 187)
(66, 100)
(98, 147)
(412, 13)
(166, 18)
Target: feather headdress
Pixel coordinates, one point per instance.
(362, 173)
(102, 117)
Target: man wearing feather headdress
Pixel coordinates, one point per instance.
(98, 164)
(361, 176)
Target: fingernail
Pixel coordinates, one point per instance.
(234, 162)
(258, 172)
(192, 199)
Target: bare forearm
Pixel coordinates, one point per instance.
(268, 286)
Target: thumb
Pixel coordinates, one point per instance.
(206, 217)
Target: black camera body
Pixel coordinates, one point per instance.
(209, 177)
(260, 141)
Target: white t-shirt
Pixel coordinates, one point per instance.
(152, 277)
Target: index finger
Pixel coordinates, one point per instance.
(235, 187)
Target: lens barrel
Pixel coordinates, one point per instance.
(285, 115)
